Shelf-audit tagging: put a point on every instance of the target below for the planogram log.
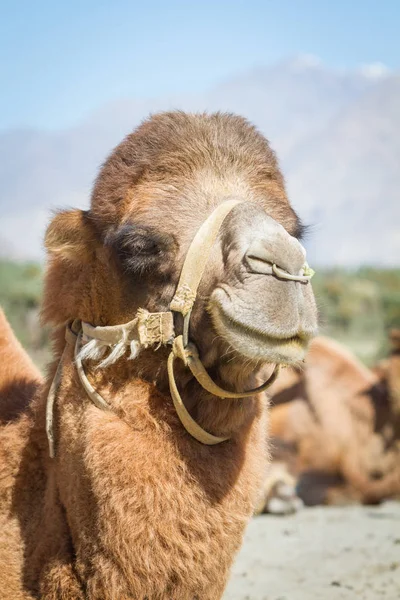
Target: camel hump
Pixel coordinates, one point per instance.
(337, 360)
(19, 378)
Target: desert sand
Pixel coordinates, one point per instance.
(322, 553)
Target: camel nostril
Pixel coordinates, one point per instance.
(259, 259)
(256, 265)
(277, 253)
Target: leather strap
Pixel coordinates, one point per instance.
(70, 336)
(190, 356)
(147, 328)
(193, 428)
(89, 389)
(197, 257)
(192, 271)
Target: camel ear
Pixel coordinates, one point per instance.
(70, 236)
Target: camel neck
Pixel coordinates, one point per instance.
(219, 416)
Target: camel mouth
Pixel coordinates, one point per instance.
(254, 343)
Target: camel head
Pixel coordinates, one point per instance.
(149, 200)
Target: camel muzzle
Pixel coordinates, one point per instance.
(157, 329)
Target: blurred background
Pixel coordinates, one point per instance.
(320, 79)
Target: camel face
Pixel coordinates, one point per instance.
(151, 197)
(260, 315)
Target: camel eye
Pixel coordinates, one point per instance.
(142, 250)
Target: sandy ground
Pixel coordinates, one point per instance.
(321, 554)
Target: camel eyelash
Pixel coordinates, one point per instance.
(141, 250)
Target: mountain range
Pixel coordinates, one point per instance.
(336, 133)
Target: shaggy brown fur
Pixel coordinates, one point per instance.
(19, 378)
(19, 381)
(132, 507)
(334, 425)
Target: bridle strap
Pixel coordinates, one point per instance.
(71, 332)
(197, 258)
(146, 328)
(193, 428)
(155, 329)
(87, 386)
(190, 356)
(192, 272)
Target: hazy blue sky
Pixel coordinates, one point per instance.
(60, 60)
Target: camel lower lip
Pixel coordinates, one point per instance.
(255, 343)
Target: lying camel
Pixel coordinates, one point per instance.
(133, 474)
(333, 427)
(388, 373)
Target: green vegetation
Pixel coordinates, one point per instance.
(356, 307)
(20, 293)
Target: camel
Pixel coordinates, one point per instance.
(388, 373)
(133, 473)
(19, 378)
(19, 381)
(335, 427)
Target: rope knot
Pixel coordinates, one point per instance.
(154, 328)
(183, 300)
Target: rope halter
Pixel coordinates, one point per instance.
(157, 329)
